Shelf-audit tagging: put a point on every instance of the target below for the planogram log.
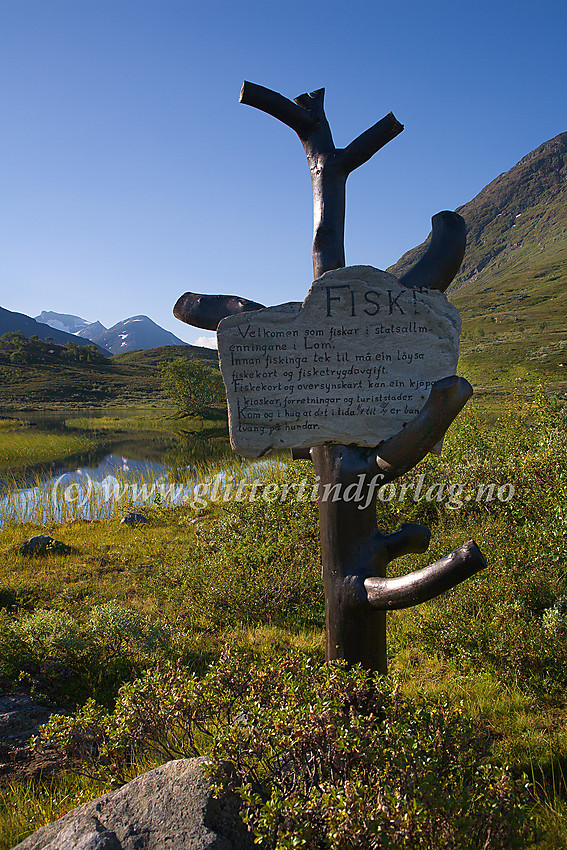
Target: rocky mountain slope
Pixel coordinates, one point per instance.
(512, 287)
(71, 324)
(63, 321)
(91, 330)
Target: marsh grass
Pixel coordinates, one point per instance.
(163, 418)
(27, 805)
(144, 432)
(118, 424)
(74, 496)
(25, 447)
(13, 425)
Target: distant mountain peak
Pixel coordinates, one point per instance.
(11, 321)
(134, 334)
(62, 321)
(91, 331)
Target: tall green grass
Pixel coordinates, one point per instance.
(25, 447)
(74, 496)
(29, 804)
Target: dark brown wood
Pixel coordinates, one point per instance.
(355, 553)
(329, 166)
(353, 550)
(443, 258)
(411, 444)
(206, 311)
(387, 594)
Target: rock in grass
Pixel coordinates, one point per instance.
(169, 807)
(132, 518)
(20, 718)
(43, 544)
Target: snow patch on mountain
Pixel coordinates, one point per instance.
(62, 321)
(131, 334)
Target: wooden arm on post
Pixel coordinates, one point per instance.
(368, 143)
(207, 311)
(410, 444)
(442, 260)
(411, 538)
(405, 449)
(388, 594)
(293, 114)
(329, 166)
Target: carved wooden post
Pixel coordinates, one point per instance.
(329, 166)
(355, 553)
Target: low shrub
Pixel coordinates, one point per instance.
(511, 617)
(67, 659)
(321, 756)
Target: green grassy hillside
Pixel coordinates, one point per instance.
(511, 289)
(42, 374)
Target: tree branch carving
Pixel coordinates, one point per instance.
(328, 165)
(443, 258)
(388, 594)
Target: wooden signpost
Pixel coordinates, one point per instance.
(360, 378)
(353, 364)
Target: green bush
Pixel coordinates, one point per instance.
(194, 387)
(322, 756)
(257, 562)
(69, 659)
(512, 618)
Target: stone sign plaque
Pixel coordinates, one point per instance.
(350, 365)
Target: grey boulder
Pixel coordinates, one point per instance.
(43, 544)
(133, 518)
(169, 807)
(20, 718)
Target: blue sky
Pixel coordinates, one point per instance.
(131, 174)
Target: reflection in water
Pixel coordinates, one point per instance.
(132, 468)
(119, 483)
(191, 453)
(138, 445)
(83, 492)
(28, 476)
(147, 446)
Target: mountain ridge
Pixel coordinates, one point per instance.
(64, 321)
(511, 289)
(135, 333)
(130, 378)
(11, 321)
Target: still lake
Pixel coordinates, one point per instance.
(121, 469)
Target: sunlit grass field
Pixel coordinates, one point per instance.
(161, 419)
